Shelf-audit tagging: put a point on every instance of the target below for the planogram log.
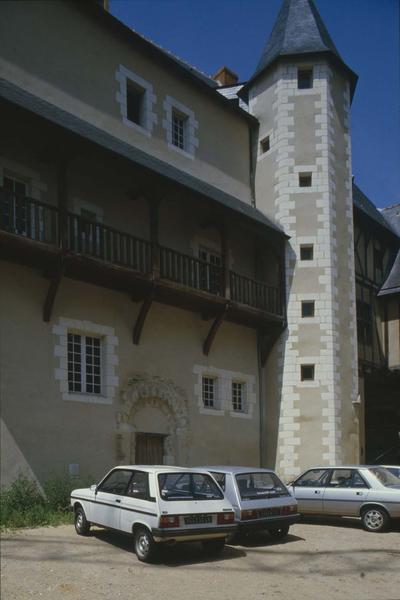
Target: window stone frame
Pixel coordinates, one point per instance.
(192, 142)
(122, 75)
(110, 380)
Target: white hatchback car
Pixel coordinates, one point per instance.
(260, 499)
(157, 504)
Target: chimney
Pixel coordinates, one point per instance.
(225, 76)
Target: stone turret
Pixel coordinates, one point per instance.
(301, 93)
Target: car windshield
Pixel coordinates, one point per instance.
(260, 485)
(385, 476)
(188, 486)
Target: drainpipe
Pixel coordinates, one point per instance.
(261, 400)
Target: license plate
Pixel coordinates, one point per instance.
(268, 512)
(198, 519)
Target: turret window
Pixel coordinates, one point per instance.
(305, 179)
(307, 308)
(304, 79)
(306, 252)
(265, 145)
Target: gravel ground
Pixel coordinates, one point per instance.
(319, 559)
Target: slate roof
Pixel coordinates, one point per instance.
(392, 283)
(70, 122)
(392, 215)
(299, 29)
(231, 93)
(365, 205)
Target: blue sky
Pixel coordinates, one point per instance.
(212, 33)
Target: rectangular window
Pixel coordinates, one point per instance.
(364, 323)
(306, 252)
(307, 308)
(238, 396)
(305, 179)
(84, 364)
(134, 102)
(304, 79)
(307, 372)
(179, 123)
(14, 211)
(265, 145)
(209, 392)
(210, 271)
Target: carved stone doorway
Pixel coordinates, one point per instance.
(148, 449)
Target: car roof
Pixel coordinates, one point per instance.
(234, 470)
(341, 467)
(153, 468)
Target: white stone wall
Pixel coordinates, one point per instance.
(321, 273)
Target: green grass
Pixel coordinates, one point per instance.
(24, 505)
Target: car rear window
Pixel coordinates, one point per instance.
(260, 485)
(220, 479)
(188, 486)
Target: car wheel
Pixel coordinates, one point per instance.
(374, 519)
(214, 546)
(278, 533)
(82, 525)
(145, 546)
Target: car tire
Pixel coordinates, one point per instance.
(82, 525)
(374, 518)
(279, 533)
(145, 546)
(214, 547)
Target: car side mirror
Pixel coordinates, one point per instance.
(93, 488)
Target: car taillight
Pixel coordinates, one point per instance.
(287, 510)
(166, 521)
(225, 518)
(248, 514)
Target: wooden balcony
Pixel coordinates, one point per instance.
(62, 243)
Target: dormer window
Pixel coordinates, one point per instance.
(304, 79)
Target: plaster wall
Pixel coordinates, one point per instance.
(46, 432)
(73, 78)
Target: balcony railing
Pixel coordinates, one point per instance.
(255, 294)
(28, 217)
(108, 244)
(190, 271)
(41, 222)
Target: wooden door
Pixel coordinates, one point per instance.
(149, 449)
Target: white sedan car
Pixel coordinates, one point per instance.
(157, 504)
(369, 492)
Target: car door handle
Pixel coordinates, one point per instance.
(359, 493)
(118, 500)
(317, 492)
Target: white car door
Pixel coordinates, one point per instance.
(309, 491)
(138, 505)
(109, 496)
(345, 493)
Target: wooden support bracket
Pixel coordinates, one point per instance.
(141, 318)
(267, 342)
(214, 329)
(52, 291)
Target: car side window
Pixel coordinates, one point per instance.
(220, 479)
(139, 486)
(341, 478)
(116, 482)
(358, 481)
(313, 478)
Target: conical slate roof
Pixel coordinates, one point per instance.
(298, 29)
